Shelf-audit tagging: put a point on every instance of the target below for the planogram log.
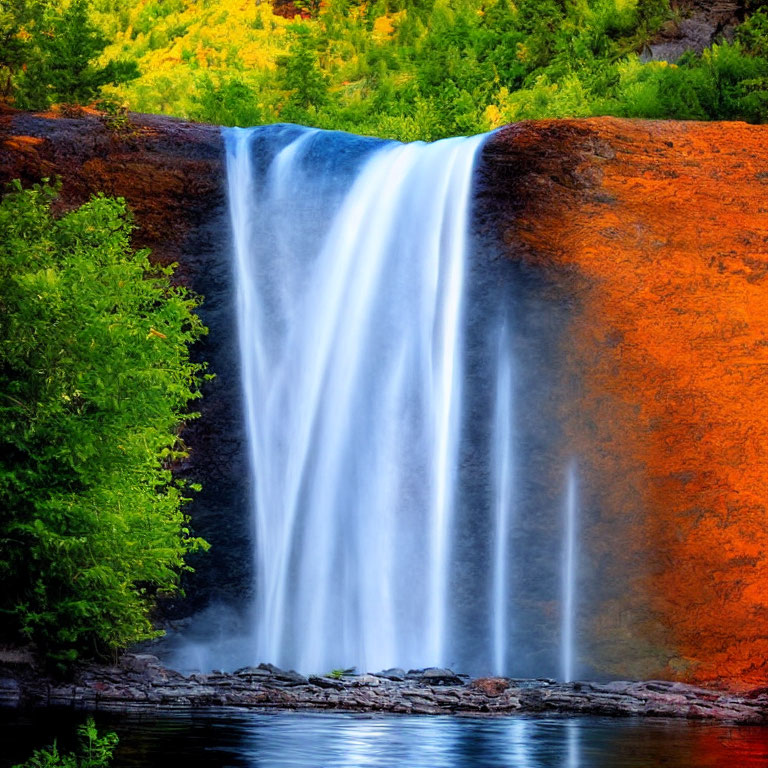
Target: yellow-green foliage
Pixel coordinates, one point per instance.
(424, 69)
(406, 69)
(95, 379)
(189, 50)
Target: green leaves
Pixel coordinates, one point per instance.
(300, 72)
(49, 53)
(93, 751)
(96, 380)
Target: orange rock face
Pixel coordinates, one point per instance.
(660, 233)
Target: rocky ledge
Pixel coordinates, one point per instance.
(141, 682)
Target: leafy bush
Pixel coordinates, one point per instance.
(229, 101)
(95, 378)
(753, 34)
(93, 751)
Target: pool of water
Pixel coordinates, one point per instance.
(301, 740)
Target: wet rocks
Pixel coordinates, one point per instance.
(283, 676)
(10, 692)
(141, 662)
(253, 672)
(491, 686)
(704, 23)
(140, 682)
(438, 676)
(327, 682)
(395, 673)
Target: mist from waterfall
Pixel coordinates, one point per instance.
(393, 513)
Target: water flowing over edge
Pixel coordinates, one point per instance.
(352, 341)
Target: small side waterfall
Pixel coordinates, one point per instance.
(396, 522)
(503, 475)
(568, 618)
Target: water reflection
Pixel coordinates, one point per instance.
(573, 744)
(293, 740)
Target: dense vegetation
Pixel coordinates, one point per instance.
(401, 68)
(49, 52)
(95, 379)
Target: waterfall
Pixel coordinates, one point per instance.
(569, 575)
(382, 391)
(352, 362)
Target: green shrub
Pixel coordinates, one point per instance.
(753, 34)
(95, 378)
(93, 751)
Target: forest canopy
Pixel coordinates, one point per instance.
(406, 69)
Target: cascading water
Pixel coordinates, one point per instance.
(569, 576)
(503, 473)
(352, 362)
(381, 411)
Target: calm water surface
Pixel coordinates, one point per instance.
(292, 740)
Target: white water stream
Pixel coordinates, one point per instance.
(569, 565)
(352, 284)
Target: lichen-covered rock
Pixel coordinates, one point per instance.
(656, 234)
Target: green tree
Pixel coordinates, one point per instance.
(18, 20)
(300, 72)
(64, 68)
(49, 54)
(95, 380)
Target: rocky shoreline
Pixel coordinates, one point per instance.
(139, 682)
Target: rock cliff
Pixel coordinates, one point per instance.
(656, 236)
